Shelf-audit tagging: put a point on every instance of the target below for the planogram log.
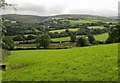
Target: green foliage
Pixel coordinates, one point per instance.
(81, 41)
(94, 63)
(43, 40)
(114, 35)
(91, 38)
(18, 38)
(30, 37)
(8, 43)
(72, 38)
(3, 4)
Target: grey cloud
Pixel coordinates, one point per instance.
(105, 12)
(45, 10)
(31, 7)
(42, 9)
(57, 9)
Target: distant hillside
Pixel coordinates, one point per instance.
(25, 18)
(37, 19)
(114, 17)
(79, 16)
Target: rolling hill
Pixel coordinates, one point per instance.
(37, 19)
(94, 63)
(25, 18)
(84, 16)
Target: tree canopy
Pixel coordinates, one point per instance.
(43, 41)
(114, 35)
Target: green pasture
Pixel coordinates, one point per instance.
(94, 63)
(64, 38)
(74, 22)
(96, 27)
(62, 30)
(25, 46)
(102, 37)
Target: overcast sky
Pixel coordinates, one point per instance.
(55, 7)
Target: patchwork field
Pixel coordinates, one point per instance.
(77, 64)
(96, 27)
(61, 39)
(73, 22)
(102, 37)
(62, 30)
(25, 46)
(64, 38)
(75, 29)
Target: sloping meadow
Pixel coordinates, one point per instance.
(94, 63)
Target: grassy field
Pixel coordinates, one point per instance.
(76, 64)
(61, 30)
(96, 27)
(64, 38)
(102, 37)
(73, 22)
(25, 46)
(61, 39)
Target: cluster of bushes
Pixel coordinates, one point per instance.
(10, 29)
(65, 23)
(44, 40)
(23, 38)
(114, 34)
(7, 43)
(81, 31)
(83, 41)
(57, 23)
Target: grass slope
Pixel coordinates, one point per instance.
(81, 64)
(65, 38)
(62, 30)
(74, 22)
(25, 18)
(61, 39)
(96, 27)
(85, 16)
(102, 37)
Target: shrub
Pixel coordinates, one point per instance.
(18, 38)
(91, 38)
(72, 38)
(81, 42)
(8, 43)
(43, 41)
